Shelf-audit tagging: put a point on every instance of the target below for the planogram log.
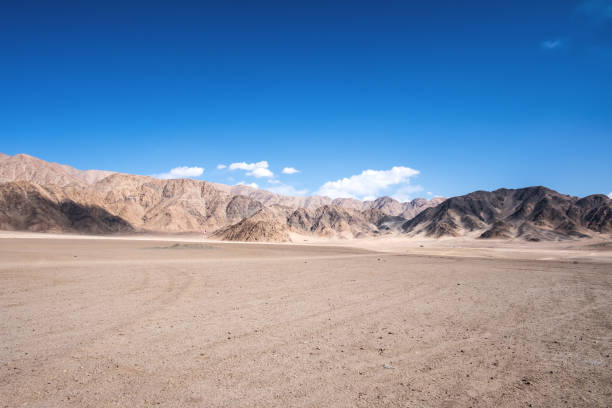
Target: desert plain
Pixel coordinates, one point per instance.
(183, 322)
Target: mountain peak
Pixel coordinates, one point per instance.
(25, 167)
(533, 213)
(38, 195)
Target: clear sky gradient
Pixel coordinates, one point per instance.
(473, 95)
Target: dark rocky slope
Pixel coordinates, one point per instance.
(532, 213)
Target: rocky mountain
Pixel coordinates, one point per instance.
(533, 213)
(387, 205)
(407, 210)
(28, 168)
(264, 225)
(414, 207)
(146, 204)
(268, 198)
(28, 207)
(39, 196)
(177, 205)
(333, 221)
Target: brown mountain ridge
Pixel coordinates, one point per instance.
(532, 213)
(36, 195)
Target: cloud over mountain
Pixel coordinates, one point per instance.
(181, 172)
(39, 196)
(243, 183)
(258, 169)
(368, 183)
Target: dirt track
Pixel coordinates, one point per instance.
(146, 323)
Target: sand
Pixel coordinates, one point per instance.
(179, 322)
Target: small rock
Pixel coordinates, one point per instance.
(388, 367)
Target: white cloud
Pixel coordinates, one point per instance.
(221, 166)
(553, 44)
(429, 193)
(285, 189)
(259, 169)
(370, 183)
(274, 181)
(610, 195)
(181, 172)
(242, 183)
(290, 170)
(260, 172)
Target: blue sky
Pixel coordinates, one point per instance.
(437, 97)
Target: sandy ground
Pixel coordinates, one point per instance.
(144, 322)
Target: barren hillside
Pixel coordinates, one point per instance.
(41, 196)
(533, 213)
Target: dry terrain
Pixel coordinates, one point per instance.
(162, 322)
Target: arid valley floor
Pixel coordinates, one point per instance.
(160, 322)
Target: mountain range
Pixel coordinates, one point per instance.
(36, 195)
